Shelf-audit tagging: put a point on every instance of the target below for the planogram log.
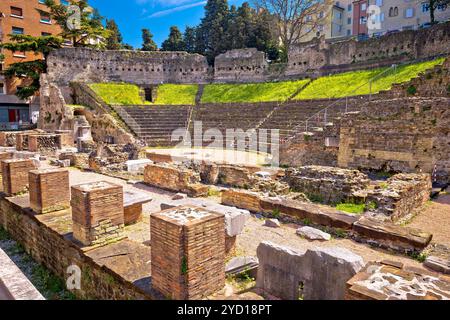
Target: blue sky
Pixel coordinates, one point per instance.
(156, 15)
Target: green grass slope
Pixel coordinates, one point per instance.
(118, 93)
(251, 92)
(176, 94)
(355, 83)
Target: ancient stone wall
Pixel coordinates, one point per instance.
(320, 56)
(314, 58)
(88, 65)
(240, 65)
(400, 197)
(100, 116)
(398, 135)
(327, 184)
(57, 252)
(174, 179)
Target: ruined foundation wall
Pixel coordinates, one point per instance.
(57, 253)
(327, 184)
(399, 135)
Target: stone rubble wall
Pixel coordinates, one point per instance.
(326, 56)
(326, 184)
(398, 135)
(175, 179)
(89, 65)
(401, 196)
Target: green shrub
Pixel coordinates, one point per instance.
(411, 90)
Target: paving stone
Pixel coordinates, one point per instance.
(313, 234)
(272, 223)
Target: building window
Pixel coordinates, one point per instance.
(349, 7)
(425, 7)
(16, 12)
(17, 30)
(349, 20)
(409, 12)
(45, 17)
(363, 20)
(349, 32)
(46, 34)
(393, 11)
(2, 88)
(442, 7)
(363, 7)
(379, 3)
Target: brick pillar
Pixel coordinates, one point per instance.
(97, 212)
(188, 252)
(15, 175)
(49, 190)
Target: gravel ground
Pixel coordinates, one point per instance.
(255, 232)
(435, 218)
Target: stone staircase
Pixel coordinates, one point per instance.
(155, 124)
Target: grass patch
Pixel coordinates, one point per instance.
(118, 93)
(351, 208)
(176, 94)
(343, 85)
(251, 92)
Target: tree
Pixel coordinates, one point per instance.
(148, 43)
(296, 19)
(89, 27)
(174, 42)
(433, 5)
(127, 46)
(30, 71)
(212, 28)
(114, 42)
(189, 39)
(80, 31)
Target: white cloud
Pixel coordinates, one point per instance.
(162, 13)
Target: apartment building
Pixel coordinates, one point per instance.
(20, 17)
(337, 21)
(393, 15)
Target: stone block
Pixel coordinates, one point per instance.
(137, 166)
(242, 199)
(313, 234)
(174, 179)
(96, 208)
(318, 274)
(49, 190)
(132, 203)
(15, 175)
(188, 252)
(380, 281)
(6, 155)
(317, 214)
(391, 236)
